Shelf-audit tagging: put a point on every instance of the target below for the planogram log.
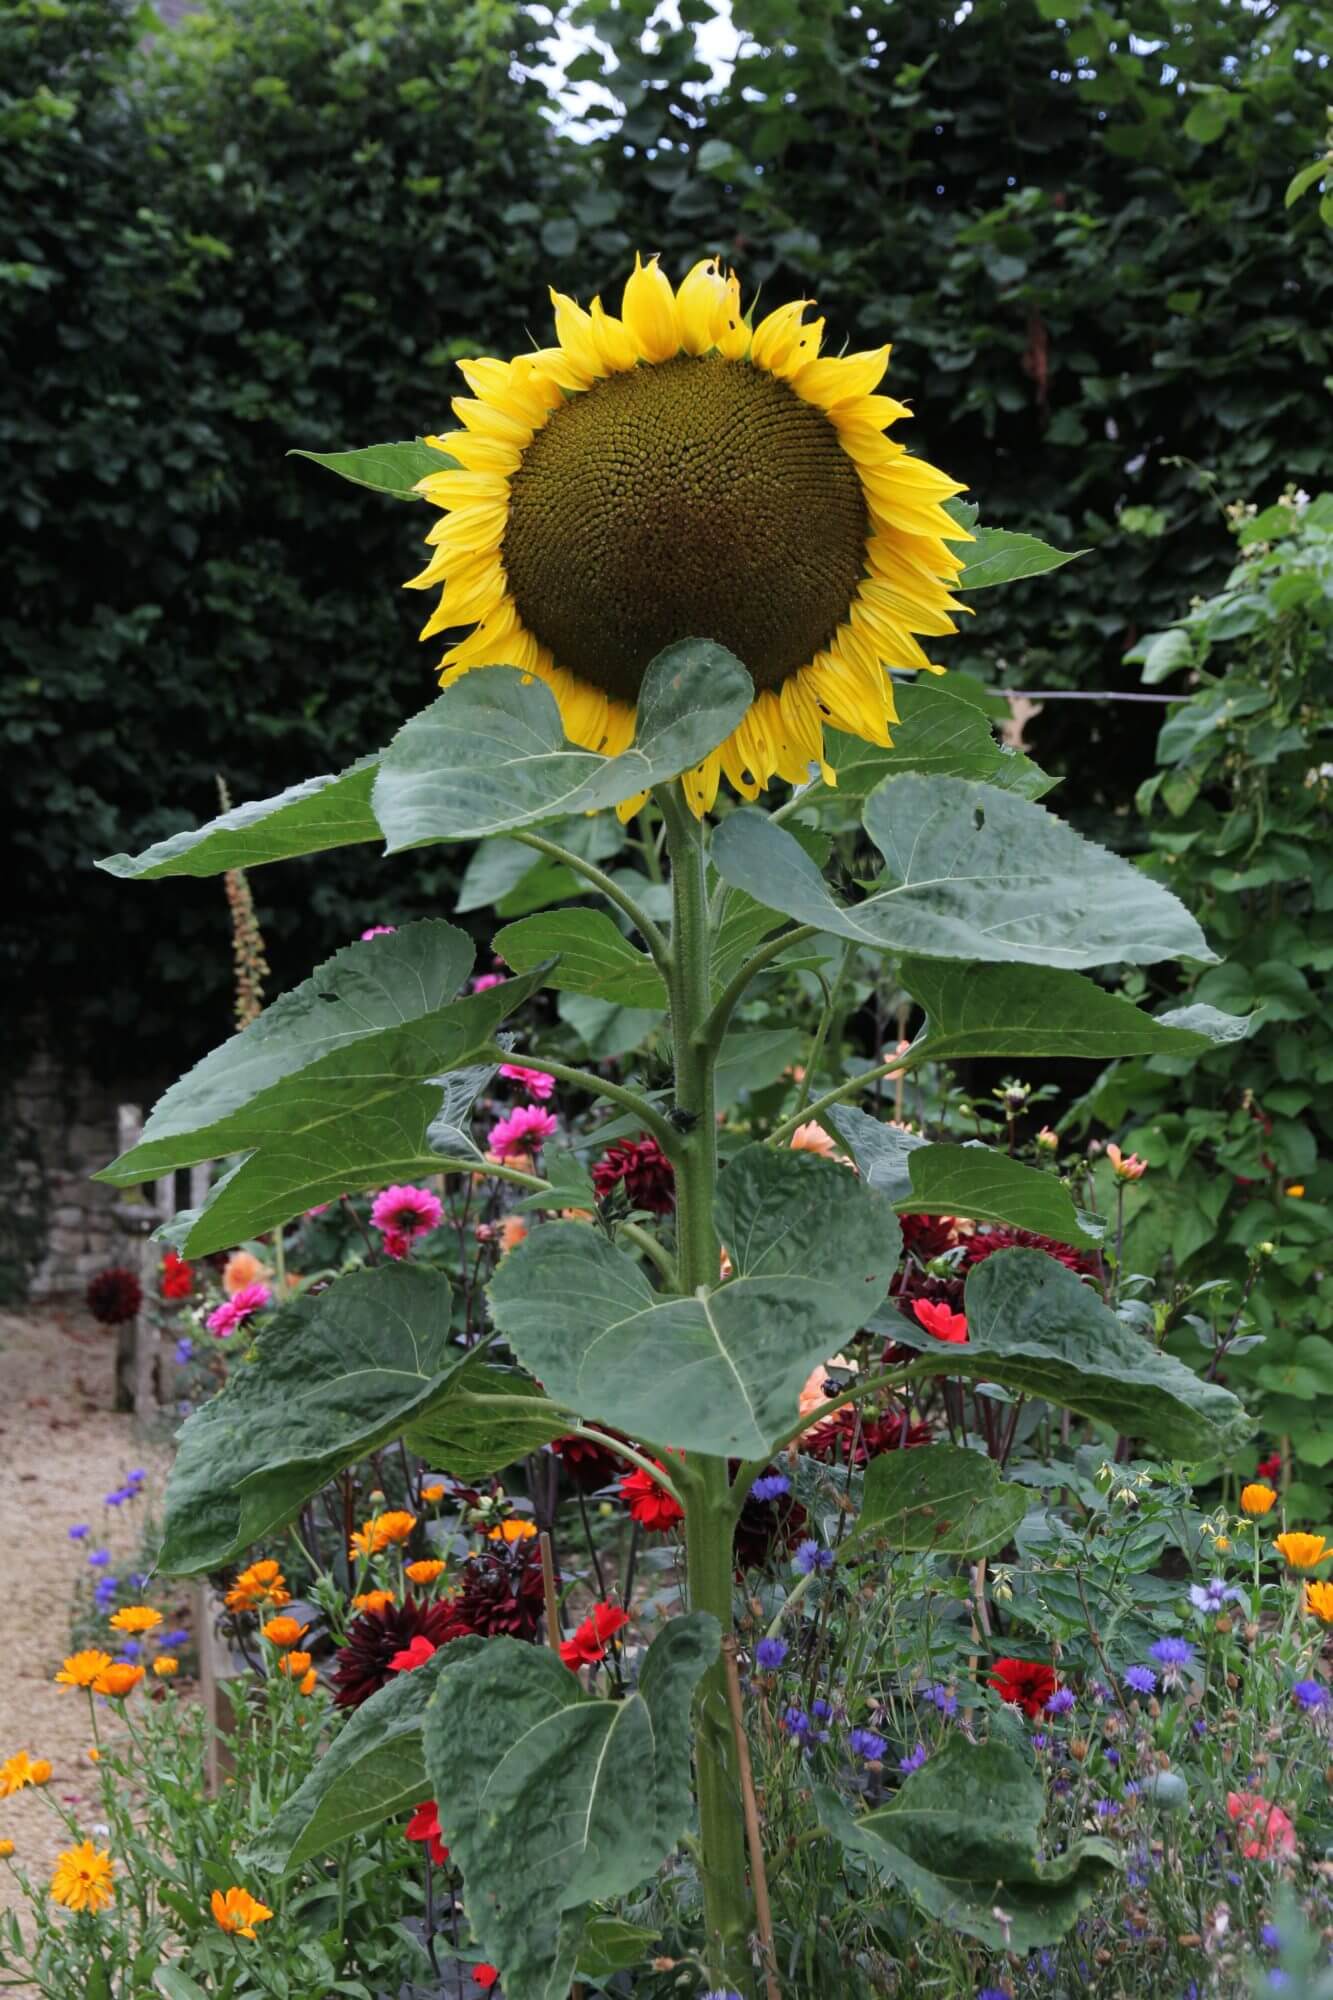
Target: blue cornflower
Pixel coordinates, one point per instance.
(79, 1531)
(118, 1498)
(772, 1486)
(100, 1558)
(721, 1993)
(770, 1653)
(1142, 1679)
(1271, 1937)
(993, 1993)
(1172, 1652)
(184, 1351)
(137, 1477)
(942, 1698)
(1213, 1595)
(1277, 1979)
(168, 1641)
(131, 1651)
(1107, 1808)
(1039, 1741)
(809, 1557)
(820, 1709)
(796, 1723)
(913, 1761)
(865, 1743)
(1111, 1756)
(1060, 1702)
(1312, 1695)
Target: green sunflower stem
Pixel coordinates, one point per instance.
(709, 1509)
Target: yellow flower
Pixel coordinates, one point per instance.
(237, 1912)
(20, 1770)
(1319, 1601)
(1301, 1551)
(378, 1534)
(294, 1664)
(283, 1631)
(135, 1618)
(165, 1665)
(512, 1531)
(82, 1880)
(1256, 1498)
(262, 1583)
(424, 1572)
(6, 1849)
(1222, 1542)
(1296, 1192)
(679, 473)
(118, 1680)
(433, 1493)
(309, 1681)
(82, 1669)
(372, 1600)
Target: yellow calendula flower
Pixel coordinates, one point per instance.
(165, 1665)
(136, 1618)
(681, 473)
(6, 1849)
(82, 1880)
(81, 1670)
(238, 1912)
(1301, 1551)
(1256, 1498)
(1319, 1601)
(20, 1770)
(425, 1571)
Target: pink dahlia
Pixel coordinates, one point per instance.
(535, 1081)
(379, 930)
(485, 980)
(523, 1131)
(233, 1312)
(406, 1212)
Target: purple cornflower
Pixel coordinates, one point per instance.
(1271, 1937)
(721, 1993)
(770, 1653)
(810, 1557)
(1277, 1979)
(865, 1743)
(942, 1698)
(913, 1761)
(137, 1477)
(131, 1650)
(1172, 1652)
(1142, 1679)
(821, 1709)
(184, 1351)
(772, 1486)
(1060, 1702)
(1039, 1741)
(796, 1722)
(1107, 1808)
(79, 1531)
(118, 1498)
(1312, 1695)
(168, 1641)
(993, 1993)
(1211, 1596)
(100, 1558)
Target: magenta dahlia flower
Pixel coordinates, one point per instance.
(523, 1131)
(379, 930)
(406, 1212)
(535, 1081)
(233, 1312)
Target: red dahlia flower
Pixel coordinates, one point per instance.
(940, 1322)
(425, 1825)
(650, 1504)
(377, 1638)
(586, 1464)
(177, 1280)
(500, 1591)
(648, 1175)
(588, 1643)
(114, 1295)
(832, 1440)
(1028, 1684)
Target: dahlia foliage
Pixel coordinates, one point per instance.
(687, 574)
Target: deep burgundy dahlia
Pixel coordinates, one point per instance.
(833, 1439)
(586, 1465)
(647, 1173)
(987, 1241)
(114, 1295)
(376, 1636)
(767, 1529)
(500, 1591)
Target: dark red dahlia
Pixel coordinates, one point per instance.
(926, 1237)
(987, 1241)
(833, 1439)
(767, 1529)
(650, 1504)
(500, 1591)
(648, 1175)
(376, 1637)
(1029, 1684)
(586, 1465)
(114, 1295)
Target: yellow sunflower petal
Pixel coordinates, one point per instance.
(649, 311)
(849, 378)
(731, 333)
(614, 341)
(573, 330)
(702, 306)
(777, 334)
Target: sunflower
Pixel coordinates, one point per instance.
(681, 473)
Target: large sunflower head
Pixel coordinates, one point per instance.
(681, 473)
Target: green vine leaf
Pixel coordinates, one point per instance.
(308, 818)
(551, 1800)
(997, 555)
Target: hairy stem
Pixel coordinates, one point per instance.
(604, 886)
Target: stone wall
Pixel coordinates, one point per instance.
(57, 1126)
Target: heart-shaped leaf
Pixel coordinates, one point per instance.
(491, 1417)
(988, 1186)
(940, 733)
(335, 1375)
(550, 1800)
(970, 872)
(812, 1250)
(963, 1835)
(879, 1150)
(593, 957)
(945, 1501)
(491, 755)
(305, 819)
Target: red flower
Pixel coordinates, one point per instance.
(114, 1295)
(941, 1323)
(1267, 1827)
(587, 1464)
(766, 1529)
(1269, 1468)
(650, 1504)
(648, 1175)
(486, 1976)
(832, 1440)
(500, 1591)
(1028, 1684)
(987, 1241)
(177, 1280)
(377, 1638)
(588, 1644)
(415, 1655)
(425, 1825)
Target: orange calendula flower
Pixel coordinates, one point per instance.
(514, 1530)
(136, 1618)
(82, 1880)
(1301, 1551)
(1319, 1602)
(6, 1849)
(309, 1681)
(262, 1583)
(242, 1268)
(372, 1600)
(81, 1670)
(382, 1532)
(1296, 1192)
(433, 1493)
(294, 1663)
(118, 1680)
(1256, 1499)
(93, 1754)
(165, 1665)
(283, 1631)
(513, 1231)
(20, 1770)
(238, 1912)
(425, 1571)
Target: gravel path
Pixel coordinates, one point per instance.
(61, 1449)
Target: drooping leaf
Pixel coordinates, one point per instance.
(472, 1433)
(948, 1500)
(551, 1800)
(334, 1375)
(963, 1837)
(448, 1134)
(491, 755)
(611, 1945)
(374, 1769)
(393, 469)
(812, 1251)
(989, 1186)
(594, 957)
(752, 1058)
(941, 733)
(305, 819)
(880, 1150)
(970, 872)
(1028, 1010)
(1035, 1328)
(999, 556)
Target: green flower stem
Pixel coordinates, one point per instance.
(613, 892)
(715, 1027)
(628, 1100)
(754, 1468)
(782, 1132)
(709, 1507)
(643, 1240)
(832, 994)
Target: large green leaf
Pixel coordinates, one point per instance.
(490, 754)
(551, 1800)
(1027, 1010)
(988, 1186)
(394, 469)
(948, 1501)
(305, 819)
(374, 1768)
(335, 1375)
(880, 1150)
(472, 1433)
(1036, 1328)
(997, 555)
(812, 1250)
(941, 733)
(970, 872)
(594, 957)
(964, 1836)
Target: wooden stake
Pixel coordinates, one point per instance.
(759, 1880)
(554, 1632)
